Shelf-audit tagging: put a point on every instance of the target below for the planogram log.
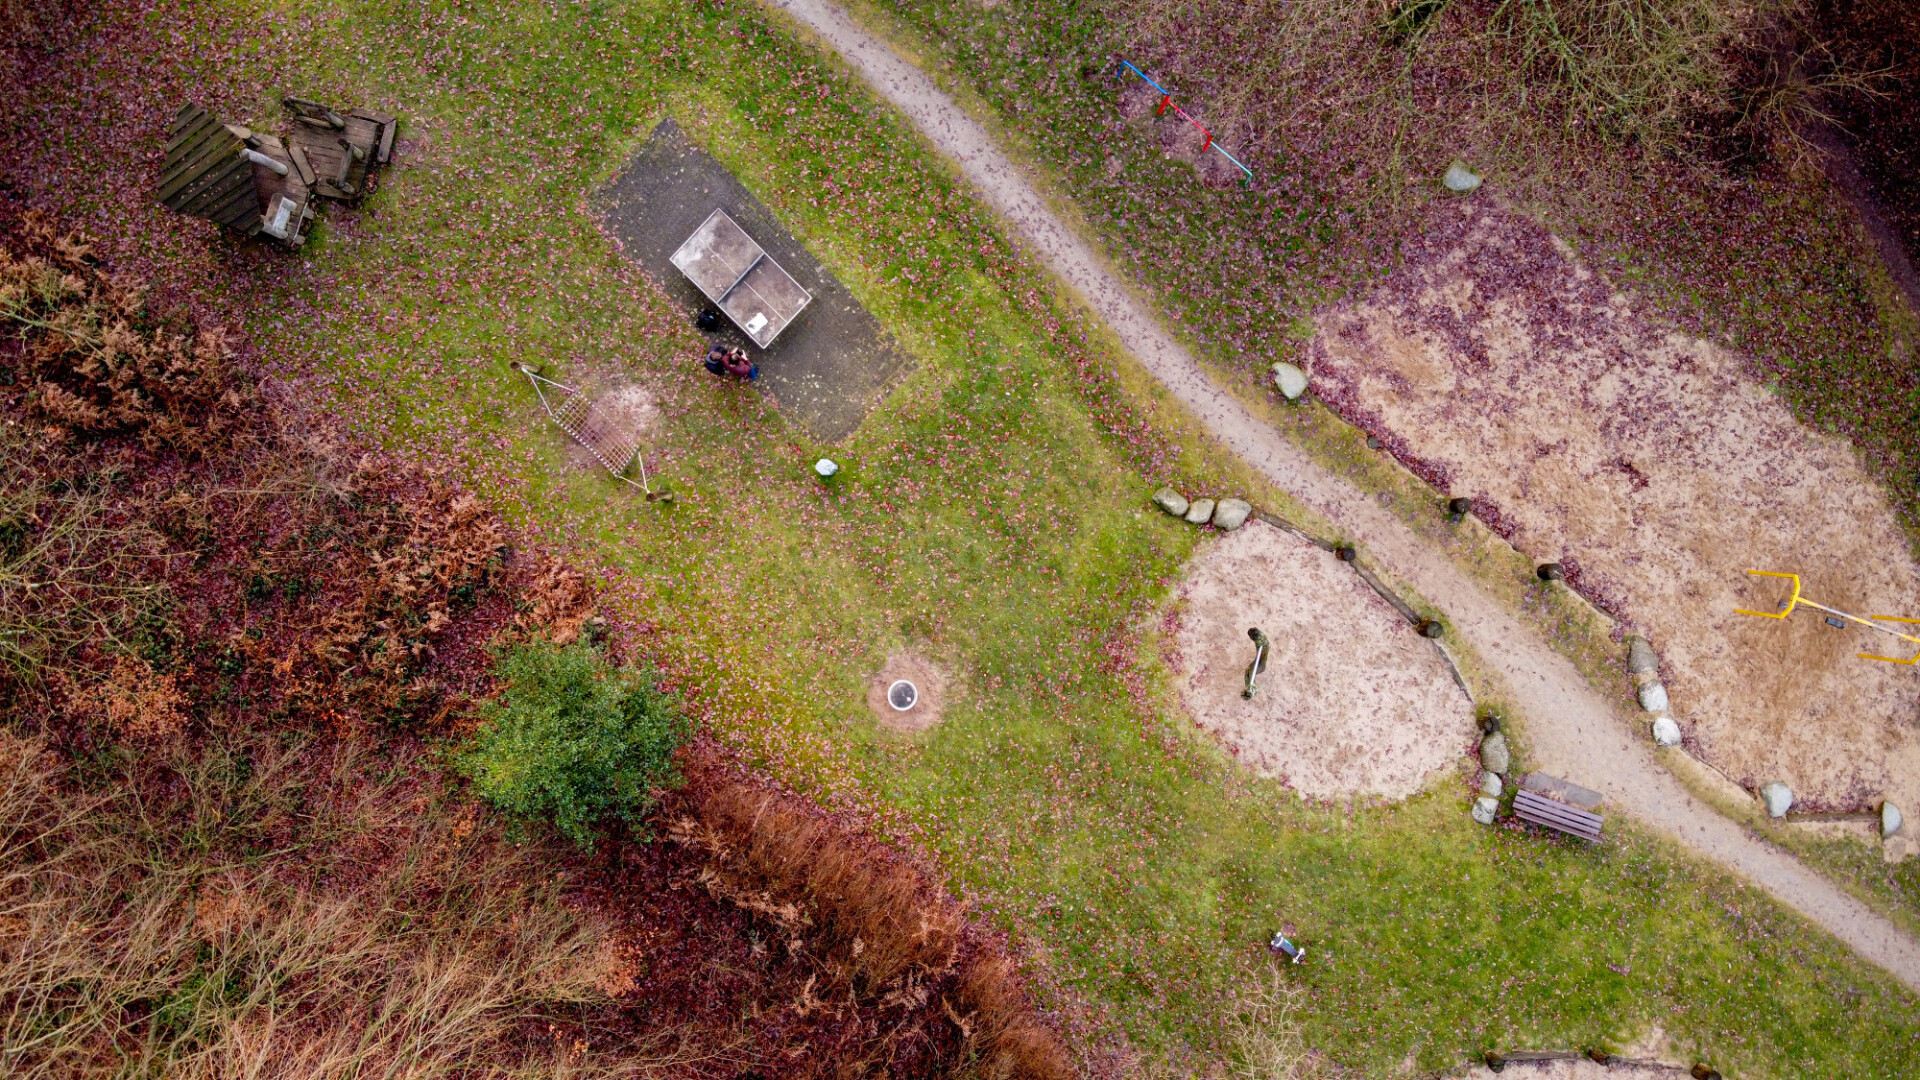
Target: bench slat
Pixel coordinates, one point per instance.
(1583, 833)
(1556, 815)
(1547, 808)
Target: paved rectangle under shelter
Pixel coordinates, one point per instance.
(832, 364)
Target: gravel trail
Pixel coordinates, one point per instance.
(1572, 730)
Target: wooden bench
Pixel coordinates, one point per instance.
(1540, 810)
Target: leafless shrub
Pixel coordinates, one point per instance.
(1267, 1039)
(382, 941)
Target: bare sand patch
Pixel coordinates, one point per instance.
(1353, 701)
(622, 414)
(928, 679)
(1653, 466)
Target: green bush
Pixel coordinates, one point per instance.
(572, 740)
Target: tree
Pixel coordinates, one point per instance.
(573, 741)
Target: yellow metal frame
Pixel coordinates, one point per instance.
(1911, 660)
(1791, 601)
(1872, 622)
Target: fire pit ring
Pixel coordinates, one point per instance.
(903, 695)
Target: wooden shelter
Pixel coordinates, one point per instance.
(234, 176)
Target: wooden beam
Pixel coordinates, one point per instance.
(217, 155)
(202, 186)
(197, 199)
(303, 166)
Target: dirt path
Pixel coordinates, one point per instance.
(1573, 731)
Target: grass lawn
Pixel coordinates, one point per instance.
(992, 513)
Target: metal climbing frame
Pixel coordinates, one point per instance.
(1872, 622)
(577, 416)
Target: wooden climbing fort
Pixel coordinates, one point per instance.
(258, 184)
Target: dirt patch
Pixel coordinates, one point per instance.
(622, 415)
(1650, 465)
(928, 680)
(1353, 702)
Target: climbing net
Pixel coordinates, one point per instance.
(613, 445)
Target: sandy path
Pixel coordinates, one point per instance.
(1573, 731)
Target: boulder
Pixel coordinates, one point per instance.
(1171, 501)
(1666, 731)
(1484, 809)
(1199, 511)
(1889, 819)
(1641, 658)
(1291, 379)
(1494, 755)
(1653, 698)
(1459, 179)
(1777, 798)
(1490, 785)
(1230, 514)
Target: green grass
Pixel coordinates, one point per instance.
(992, 513)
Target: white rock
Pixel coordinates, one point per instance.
(1494, 756)
(1171, 501)
(1653, 698)
(825, 467)
(1230, 514)
(1641, 658)
(1484, 809)
(1199, 511)
(1460, 179)
(1889, 819)
(1666, 731)
(1291, 379)
(1490, 785)
(1777, 797)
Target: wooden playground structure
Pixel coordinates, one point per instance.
(260, 185)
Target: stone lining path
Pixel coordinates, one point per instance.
(1574, 731)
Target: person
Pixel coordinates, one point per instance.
(1261, 647)
(740, 367)
(717, 359)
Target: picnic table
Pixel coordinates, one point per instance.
(741, 279)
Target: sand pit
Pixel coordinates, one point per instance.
(930, 684)
(1353, 701)
(1509, 373)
